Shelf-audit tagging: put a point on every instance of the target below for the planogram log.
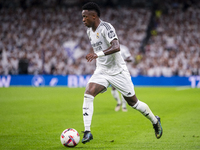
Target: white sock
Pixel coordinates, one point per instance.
(116, 96)
(87, 111)
(123, 102)
(145, 110)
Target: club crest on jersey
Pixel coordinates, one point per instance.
(111, 34)
(97, 35)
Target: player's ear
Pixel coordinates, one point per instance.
(94, 15)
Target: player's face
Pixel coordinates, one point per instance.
(88, 18)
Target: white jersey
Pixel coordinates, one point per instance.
(100, 40)
(125, 52)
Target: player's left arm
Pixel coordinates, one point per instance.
(115, 47)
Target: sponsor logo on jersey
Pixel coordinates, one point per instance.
(97, 44)
(111, 34)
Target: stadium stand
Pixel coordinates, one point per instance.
(49, 37)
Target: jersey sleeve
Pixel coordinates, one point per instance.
(109, 32)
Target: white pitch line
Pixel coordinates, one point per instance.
(183, 88)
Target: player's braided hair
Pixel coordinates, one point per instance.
(92, 6)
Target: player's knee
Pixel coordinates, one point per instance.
(131, 100)
(131, 103)
(89, 92)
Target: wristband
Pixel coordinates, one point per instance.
(99, 54)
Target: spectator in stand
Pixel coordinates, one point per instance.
(41, 33)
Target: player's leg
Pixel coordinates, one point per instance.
(115, 94)
(141, 107)
(97, 84)
(145, 110)
(124, 109)
(92, 89)
(124, 84)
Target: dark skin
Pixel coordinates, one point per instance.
(91, 19)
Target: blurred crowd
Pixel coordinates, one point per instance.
(54, 40)
(174, 47)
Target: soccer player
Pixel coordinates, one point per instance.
(126, 55)
(110, 70)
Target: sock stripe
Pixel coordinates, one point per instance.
(136, 105)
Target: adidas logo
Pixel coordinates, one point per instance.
(147, 114)
(85, 114)
(129, 93)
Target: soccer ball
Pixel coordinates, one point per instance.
(70, 137)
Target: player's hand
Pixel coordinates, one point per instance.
(91, 56)
(129, 59)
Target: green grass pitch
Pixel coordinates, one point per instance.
(33, 119)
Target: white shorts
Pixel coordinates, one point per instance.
(122, 82)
